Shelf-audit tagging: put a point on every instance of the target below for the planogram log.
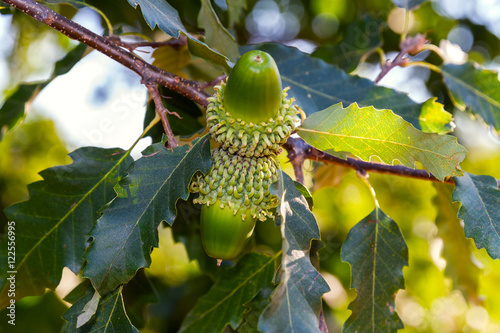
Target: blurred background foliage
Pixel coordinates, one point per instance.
(433, 301)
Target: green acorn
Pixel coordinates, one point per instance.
(224, 234)
(250, 115)
(253, 89)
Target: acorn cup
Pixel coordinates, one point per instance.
(249, 117)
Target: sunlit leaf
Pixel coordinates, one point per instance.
(296, 301)
(52, 227)
(377, 253)
(127, 231)
(367, 132)
(480, 210)
(225, 303)
(360, 37)
(216, 36)
(16, 105)
(110, 315)
(316, 85)
(408, 4)
(434, 118)
(475, 89)
(457, 253)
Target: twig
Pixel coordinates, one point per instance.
(411, 45)
(150, 74)
(131, 46)
(214, 82)
(302, 150)
(162, 111)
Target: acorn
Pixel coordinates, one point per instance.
(224, 234)
(250, 114)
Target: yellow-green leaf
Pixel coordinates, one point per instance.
(434, 118)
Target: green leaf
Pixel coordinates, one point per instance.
(377, 253)
(201, 50)
(137, 295)
(361, 36)
(456, 251)
(408, 4)
(316, 85)
(160, 13)
(367, 132)
(235, 7)
(216, 36)
(16, 105)
(305, 193)
(126, 232)
(296, 302)
(480, 210)
(475, 89)
(52, 227)
(225, 302)
(110, 315)
(434, 118)
(254, 309)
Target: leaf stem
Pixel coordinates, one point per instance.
(364, 177)
(424, 64)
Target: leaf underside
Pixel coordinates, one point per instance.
(127, 231)
(296, 302)
(377, 253)
(367, 132)
(480, 210)
(52, 227)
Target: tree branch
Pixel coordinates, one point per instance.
(149, 74)
(162, 112)
(299, 149)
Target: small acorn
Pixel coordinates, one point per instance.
(250, 115)
(224, 234)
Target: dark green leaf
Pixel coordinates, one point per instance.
(16, 104)
(109, 316)
(76, 4)
(52, 227)
(201, 50)
(480, 211)
(456, 251)
(160, 13)
(254, 310)
(361, 36)
(475, 89)
(296, 302)
(434, 118)
(317, 85)
(216, 36)
(408, 4)
(225, 302)
(124, 236)
(367, 132)
(137, 295)
(235, 7)
(377, 253)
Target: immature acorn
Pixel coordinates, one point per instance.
(250, 114)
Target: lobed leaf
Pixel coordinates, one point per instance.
(457, 252)
(126, 232)
(408, 4)
(316, 85)
(225, 302)
(367, 132)
(480, 210)
(296, 302)
(216, 36)
(52, 227)
(434, 118)
(160, 13)
(16, 105)
(377, 252)
(475, 88)
(109, 314)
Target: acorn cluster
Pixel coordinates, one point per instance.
(249, 116)
(241, 183)
(246, 138)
